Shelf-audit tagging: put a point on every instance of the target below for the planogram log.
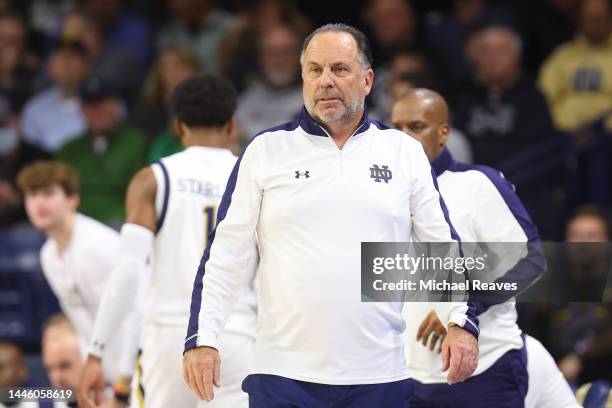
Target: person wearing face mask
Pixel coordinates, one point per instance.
(14, 154)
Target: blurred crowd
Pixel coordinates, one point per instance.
(529, 84)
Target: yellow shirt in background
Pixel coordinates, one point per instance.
(577, 82)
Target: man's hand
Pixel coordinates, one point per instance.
(92, 380)
(431, 326)
(460, 353)
(202, 369)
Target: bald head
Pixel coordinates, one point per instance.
(423, 114)
(61, 353)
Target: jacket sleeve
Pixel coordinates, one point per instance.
(224, 268)
(513, 243)
(431, 223)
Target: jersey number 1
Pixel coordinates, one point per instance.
(209, 222)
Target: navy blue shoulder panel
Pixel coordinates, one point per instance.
(288, 126)
(508, 193)
(380, 125)
(164, 209)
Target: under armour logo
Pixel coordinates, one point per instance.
(299, 174)
(380, 173)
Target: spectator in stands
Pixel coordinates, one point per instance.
(173, 65)
(45, 16)
(197, 24)
(447, 33)
(277, 95)
(107, 155)
(394, 28)
(53, 117)
(114, 65)
(581, 332)
(77, 258)
(501, 112)
(61, 353)
(577, 77)
(15, 73)
(14, 154)
(123, 30)
(561, 17)
(408, 70)
(13, 370)
(238, 50)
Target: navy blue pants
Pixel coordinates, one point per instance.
(503, 385)
(271, 391)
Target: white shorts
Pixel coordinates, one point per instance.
(547, 387)
(159, 373)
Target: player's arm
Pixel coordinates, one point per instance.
(223, 270)
(122, 289)
(431, 223)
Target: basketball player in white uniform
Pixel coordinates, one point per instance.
(171, 209)
(77, 257)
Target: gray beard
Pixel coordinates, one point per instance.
(349, 112)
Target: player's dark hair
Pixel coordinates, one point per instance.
(204, 101)
(363, 46)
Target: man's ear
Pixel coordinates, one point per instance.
(229, 128)
(75, 201)
(443, 134)
(369, 80)
(178, 128)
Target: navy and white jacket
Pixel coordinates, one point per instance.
(304, 206)
(484, 208)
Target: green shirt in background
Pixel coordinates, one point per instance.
(106, 171)
(164, 145)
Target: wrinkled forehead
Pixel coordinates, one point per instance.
(331, 48)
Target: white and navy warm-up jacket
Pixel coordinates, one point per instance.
(486, 212)
(304, 207)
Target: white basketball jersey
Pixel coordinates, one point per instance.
(190, 185)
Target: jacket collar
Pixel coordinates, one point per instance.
(312, 127)
(444, 162)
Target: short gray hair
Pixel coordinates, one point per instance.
(363, 47)
(507, 29)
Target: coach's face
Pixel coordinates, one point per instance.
(335, 83)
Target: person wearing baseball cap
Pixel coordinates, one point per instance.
(107, 154)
